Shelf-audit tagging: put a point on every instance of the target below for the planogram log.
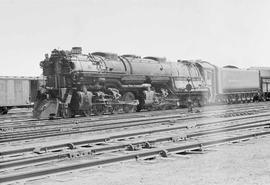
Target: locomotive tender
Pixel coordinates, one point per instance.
(99, 82)
(230, 84)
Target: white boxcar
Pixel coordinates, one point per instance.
(17, 91)
(232, 80)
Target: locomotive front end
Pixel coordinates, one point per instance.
(80, 84)
(63, 79)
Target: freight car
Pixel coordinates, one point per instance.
(105, 82)
(17, 92)
(264, 81)
(230, 84)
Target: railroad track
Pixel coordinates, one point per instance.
(15, 117)
(32, 121)
(55, 123)
(87, 127)
(120, 147)
(174, 126)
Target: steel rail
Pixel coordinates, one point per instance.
(109, 122)
(93, 128)
(140, 154)
(87, 119)
(26, 136)
(58, 129)
(79, 120)
(7, 127)
(155, 120)
(102, 139)
(23, 161)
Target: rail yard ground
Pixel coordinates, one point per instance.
(224, 144)
(235, 164)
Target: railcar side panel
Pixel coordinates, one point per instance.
(237, 80)
(14, 92)
(3, 94)
(266, 85)
(18, 91)
(264, 80)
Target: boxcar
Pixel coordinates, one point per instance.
(264, 80)
(18, 92)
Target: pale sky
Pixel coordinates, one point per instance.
(223, 32)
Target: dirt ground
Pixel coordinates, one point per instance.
(242, 163)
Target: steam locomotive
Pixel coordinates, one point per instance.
(98, 83)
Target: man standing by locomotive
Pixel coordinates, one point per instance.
(189, 101)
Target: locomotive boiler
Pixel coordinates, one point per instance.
(98, 83)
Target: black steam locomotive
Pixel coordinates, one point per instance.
(98, 83)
